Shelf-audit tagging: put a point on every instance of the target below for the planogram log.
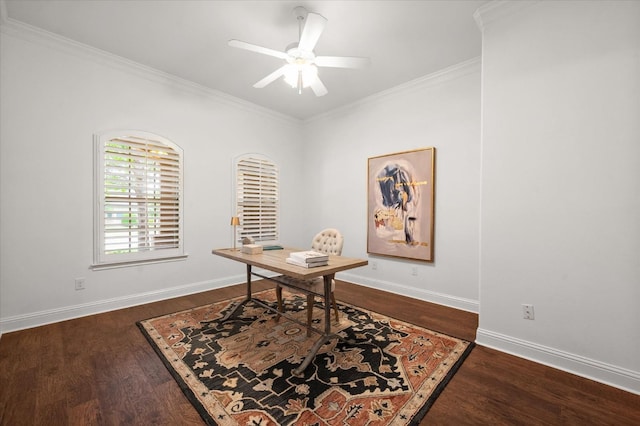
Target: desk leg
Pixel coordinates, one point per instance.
(327, 303)
(312, 354)
(248, 282)
(247, 299)
(327, 328)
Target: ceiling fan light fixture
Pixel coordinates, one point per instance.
(300, 76)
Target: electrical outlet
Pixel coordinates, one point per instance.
(79, 283)
(527, 312)
(414, 271)
(374, 265)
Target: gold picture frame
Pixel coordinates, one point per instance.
(400, 204)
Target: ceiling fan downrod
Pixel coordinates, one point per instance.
(300, 13)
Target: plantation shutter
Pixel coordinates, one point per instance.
(141, 199)
(257, 199)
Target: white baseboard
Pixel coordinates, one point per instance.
(594, 370)
(461, 303)
(608, 374)
(36, 319)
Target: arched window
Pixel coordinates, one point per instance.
(138, 192)
(257, 198)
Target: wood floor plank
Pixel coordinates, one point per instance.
(86, 413)
(18, 398)
(100, 370)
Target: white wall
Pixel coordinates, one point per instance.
(560, 224)
(440, 110)
(54, 97)
(558, 193)
(57, 94)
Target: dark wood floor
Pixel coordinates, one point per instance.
(100, 370)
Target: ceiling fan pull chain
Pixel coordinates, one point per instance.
(300, 82)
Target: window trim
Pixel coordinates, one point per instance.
(102, 260)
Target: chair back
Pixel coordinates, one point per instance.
(329, 241)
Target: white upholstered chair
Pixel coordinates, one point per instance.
(329, 241)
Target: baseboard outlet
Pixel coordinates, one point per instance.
(461, 303)
(601, 372)
(36, 319)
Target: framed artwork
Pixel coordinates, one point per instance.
(400, 206)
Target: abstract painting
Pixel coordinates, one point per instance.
(400, 209)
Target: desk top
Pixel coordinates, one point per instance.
(274, 260)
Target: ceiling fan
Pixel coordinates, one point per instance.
(301, 68)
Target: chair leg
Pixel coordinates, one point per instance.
(335, 306)
(309, 313)
(279, 296)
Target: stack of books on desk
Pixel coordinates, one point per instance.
(308, 259)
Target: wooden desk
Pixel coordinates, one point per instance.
(274, 260)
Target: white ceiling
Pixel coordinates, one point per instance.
(404, 39)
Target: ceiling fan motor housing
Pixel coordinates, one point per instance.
(296, 55)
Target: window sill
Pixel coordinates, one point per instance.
(114, 265)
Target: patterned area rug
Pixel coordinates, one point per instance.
(239, 372)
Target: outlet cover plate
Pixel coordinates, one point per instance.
(527, 311)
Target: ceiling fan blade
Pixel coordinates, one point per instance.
(318, 88)
(270, 78)
(342, 61)
(259, 49)
(313, 27)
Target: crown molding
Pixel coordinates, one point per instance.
(499, 9)
(430, 80)
(30, 33)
